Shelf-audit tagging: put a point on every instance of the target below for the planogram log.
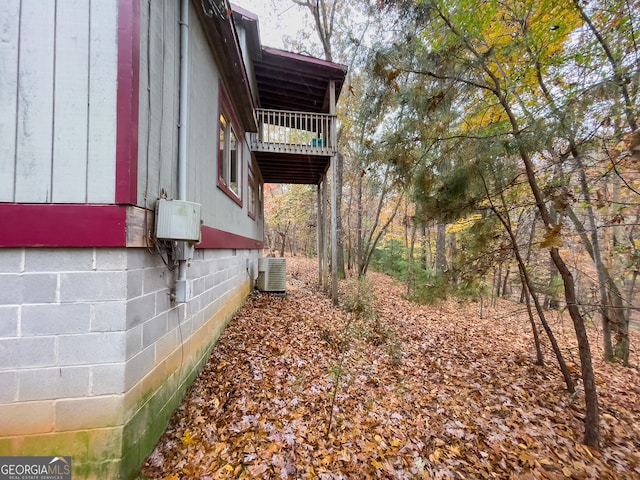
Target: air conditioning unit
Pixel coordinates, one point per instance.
(272, 275)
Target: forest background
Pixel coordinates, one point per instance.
(487, 149)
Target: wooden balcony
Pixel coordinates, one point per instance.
(297, 133)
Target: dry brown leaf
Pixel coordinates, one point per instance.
(423, 392)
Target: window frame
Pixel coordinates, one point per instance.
(252, 195)
(225, 162)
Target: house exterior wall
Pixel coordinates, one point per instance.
(158, 107)
(94, 356)
(159, 119)
(58, 67)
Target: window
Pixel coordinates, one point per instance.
(230, 168)
(229, 165)
(251, 207)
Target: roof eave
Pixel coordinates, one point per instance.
(224, 44)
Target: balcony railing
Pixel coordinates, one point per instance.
(282, 131)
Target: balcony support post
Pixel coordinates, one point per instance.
(334, 195)
(325, 233)
(320, 233)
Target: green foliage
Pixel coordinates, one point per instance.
(464, 280)
(633, 262)
(485, 245)
(391, 257)
(429, 286)
(556, 288)
(454, 197)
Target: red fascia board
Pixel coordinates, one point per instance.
(214, 238)
(338, 70)
(244, 13)
(128, 95)
(62, 225)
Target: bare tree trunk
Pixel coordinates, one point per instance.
(536, 339)
(349, 235)
(339, 228)
(631, 292)
(424, 244)
(495, 85)
(283, 236)
(609, 315)
(497, 280)
(604, 280)
(532, 235)
(592, 417)
(634, 265)
(524, 275)
(441, 247)
(359, 232)
(268, 236)
(372, 240)
(411, 261)
(505, 283)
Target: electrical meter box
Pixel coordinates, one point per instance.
(178, 220)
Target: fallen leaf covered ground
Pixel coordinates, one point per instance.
(297, 389)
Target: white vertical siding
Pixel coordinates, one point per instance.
(218, 209)
(103, 76)
(9, 32)
(159, 92)
(70, 100)
(204, 111)
(58, 91)
(35, 101)
(158, 120)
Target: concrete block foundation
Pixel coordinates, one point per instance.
(94, 356)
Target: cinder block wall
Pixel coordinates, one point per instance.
(94, 356)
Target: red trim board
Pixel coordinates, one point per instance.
(214, 238)
(79, 225)
(127, 102)
(56, 225)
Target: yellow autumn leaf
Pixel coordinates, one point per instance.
(187, 439)
(455, 450)
(436, 456)
(553, 238)
(376, 464)
(217, 448)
